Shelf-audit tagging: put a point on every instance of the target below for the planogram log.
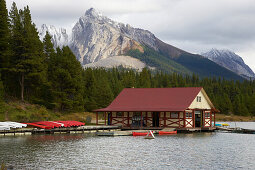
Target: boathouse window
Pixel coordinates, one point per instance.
(119, 114)
(198, 98)
(188, 115)
(207, 115)
(174, 115)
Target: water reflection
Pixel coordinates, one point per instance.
(181, 151)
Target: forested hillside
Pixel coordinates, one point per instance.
(35, 72)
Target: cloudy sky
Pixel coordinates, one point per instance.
(193, 25)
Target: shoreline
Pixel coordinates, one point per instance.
(234, 118)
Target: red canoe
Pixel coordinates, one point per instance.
(140, 134)
(167, 133)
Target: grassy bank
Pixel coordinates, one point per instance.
(15, 110)
(233, 118)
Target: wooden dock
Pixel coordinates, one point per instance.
(190, 130)
(236, 130)
(130, 132)
(81, 129)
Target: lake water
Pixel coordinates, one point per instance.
(215, 150)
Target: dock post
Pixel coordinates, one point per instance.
(111, 119)
(104, 118)
(184, 118)
(96, 118)
(164, 119)
(141, 119)
(128, 119)
(193, 117)
(214, 118)
(146, 118)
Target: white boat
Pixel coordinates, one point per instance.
(150, 135)
(8, 125)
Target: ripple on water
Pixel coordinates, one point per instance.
(182, 151)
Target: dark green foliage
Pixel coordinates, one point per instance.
(230, 97)
(65, 77)
(154, 59)
(4, 34)
(186, 63)
(48, 47)
(27, 67)
(1, 89)
(4, 41)
(98, 88)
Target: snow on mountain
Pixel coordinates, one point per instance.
(59, 36)
(231, 61)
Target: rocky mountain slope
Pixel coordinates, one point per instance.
(231, 61)
(59, 35)
(97, 41)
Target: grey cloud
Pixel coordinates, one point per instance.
(194, 25)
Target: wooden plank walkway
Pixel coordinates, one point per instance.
(81, 129)
(236, 130)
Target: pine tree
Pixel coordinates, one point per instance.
(4, 41)
(145, 78)
(27, 58)
(65, 76)
(48, 46)
(1, 89)
(103, 93)
(4, 35)
(89, 90)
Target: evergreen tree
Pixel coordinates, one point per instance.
(4, 43)
(48, 46)
(103, 93)
(65, 75)
(1, 89)
(4, 35)
(251, 105)
(27, 59)
(89, 90)
(145, 79)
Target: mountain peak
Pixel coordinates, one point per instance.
(229, 60)
(59, 36)
(92, 12)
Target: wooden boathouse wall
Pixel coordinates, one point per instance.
(166, 119)
(198, 110)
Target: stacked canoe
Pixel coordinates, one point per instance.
(56, 124)
(11, 125)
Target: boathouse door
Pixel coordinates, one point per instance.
(109, 118)
(198, 118)
(155, 119)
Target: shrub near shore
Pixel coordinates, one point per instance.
(25, 112)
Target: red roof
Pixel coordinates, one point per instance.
(153, 99)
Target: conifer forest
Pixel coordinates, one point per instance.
(33, 71)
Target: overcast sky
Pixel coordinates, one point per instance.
(193, 25)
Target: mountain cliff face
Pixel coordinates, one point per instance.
(59, 36)
(98, 41)
(95, 37)
(231, 61)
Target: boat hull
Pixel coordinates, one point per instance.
(167, 133)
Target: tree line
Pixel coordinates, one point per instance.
(34, 71)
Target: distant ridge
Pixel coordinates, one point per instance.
(231, 61)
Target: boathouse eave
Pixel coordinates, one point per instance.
(153, 99)
(141, 110)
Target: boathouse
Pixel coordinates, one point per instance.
(157, 108)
